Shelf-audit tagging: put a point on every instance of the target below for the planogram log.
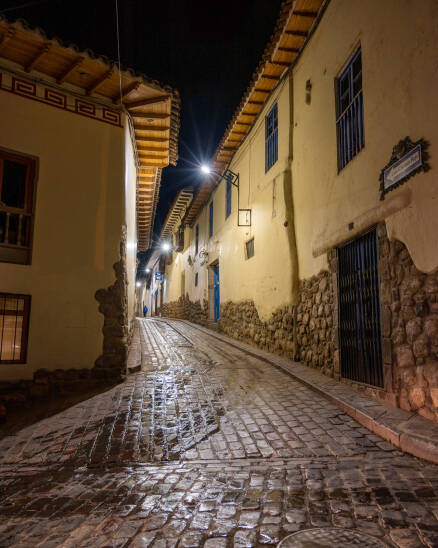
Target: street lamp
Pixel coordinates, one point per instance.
(138, 284)
(231, 178)
(147, 270)
(165, 246)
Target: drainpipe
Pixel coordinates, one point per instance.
(290, 215)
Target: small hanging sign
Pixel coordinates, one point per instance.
(408, 158)
(244, 217)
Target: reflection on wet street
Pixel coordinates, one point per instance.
(207, 445)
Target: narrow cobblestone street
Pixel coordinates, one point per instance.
(207, 446)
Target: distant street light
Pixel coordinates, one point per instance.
(138, 284)
(165, 246)
(148, 270)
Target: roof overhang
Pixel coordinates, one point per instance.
(152, 107)
(294, 26)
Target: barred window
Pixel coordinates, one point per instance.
(17, 179)
(271, 137)
(14, 325)
(349, 124)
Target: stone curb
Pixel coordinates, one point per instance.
(408, 431)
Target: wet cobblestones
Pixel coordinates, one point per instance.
(207, 446)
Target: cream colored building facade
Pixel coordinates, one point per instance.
(79, 183)
(373, 322)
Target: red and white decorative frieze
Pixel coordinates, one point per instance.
(55, 98)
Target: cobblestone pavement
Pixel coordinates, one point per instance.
(207, 446)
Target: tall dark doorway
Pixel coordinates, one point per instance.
(359, 311)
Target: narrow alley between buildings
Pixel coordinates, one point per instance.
(206, 444)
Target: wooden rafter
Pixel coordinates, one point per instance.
(149, 101)
(305, 13)
(251, 102)
(138, 127)
(262, 90)
(280, 63)
(37, 57)
(126, 91)
(151, 115)
(301, 33)
(6, 37)
(99, 81)
(152, 148)
(73, 65)
(288, 50)
(270, 77)
(140, 139)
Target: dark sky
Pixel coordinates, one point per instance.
(207, 50)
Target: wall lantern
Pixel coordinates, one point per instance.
(243, 215)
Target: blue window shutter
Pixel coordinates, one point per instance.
(228, 200)
(196, 239)
(271, 137)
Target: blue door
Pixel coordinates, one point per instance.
(216, 292)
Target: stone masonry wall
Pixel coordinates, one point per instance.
(241, 321)
(185, 309)
(315, 324)
(410, 318)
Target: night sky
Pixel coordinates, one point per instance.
(207, 50)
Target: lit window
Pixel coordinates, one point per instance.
(14, 323)
(271, 137)
(349, 124)
(249, 248)
(17, 179)
(210, 221)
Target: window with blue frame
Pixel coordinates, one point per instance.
(228, 200)
(196, 239)
(271, 137)
(349, 111)
(196, 279)
(210, 221)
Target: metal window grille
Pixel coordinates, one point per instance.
(210, 220)
(14, 322)
(249, 246)
(17, 174)
(359, 311)
(196, 239)
(196, 279)
(271, 137)
(228, 200)
(349, 124)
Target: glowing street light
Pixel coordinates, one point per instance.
(165, 246)
(147, 270)
(205, 169)
(138, 284)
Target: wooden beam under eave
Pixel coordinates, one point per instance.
(279, 63)
(126, 91)
(288, 50)
(148, 101)
(38, 56)
(138, 127)
(255, 102)
(243, 123)
(151, 115)
(6, 37)
(153, 156)
(152, 149)
(261, 90)
(74, 65)
(301, 33)
(270, 77)
(142, 139)
(305, 13)
(99, 81)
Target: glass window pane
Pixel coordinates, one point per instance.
(14, 184)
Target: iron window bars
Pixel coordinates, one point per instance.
(349, 123)
(271, 137)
